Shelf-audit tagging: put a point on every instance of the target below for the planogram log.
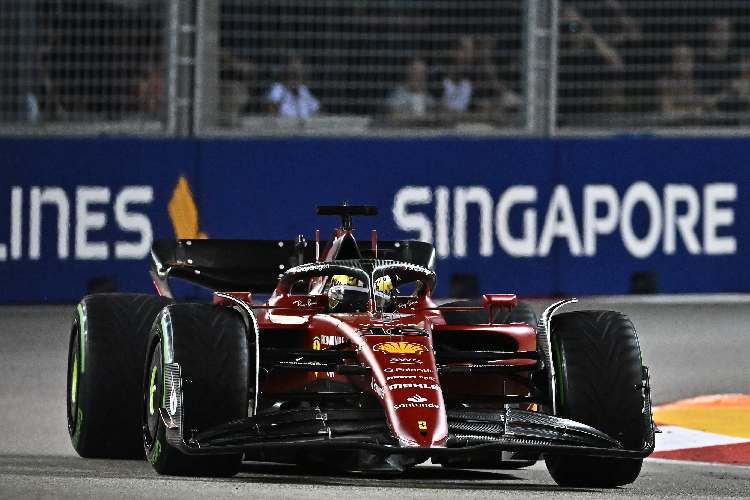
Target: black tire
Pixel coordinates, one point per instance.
(522, 313)
(105, 373)
(600, 375)
(210, 345)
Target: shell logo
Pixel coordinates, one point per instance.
(399, 348)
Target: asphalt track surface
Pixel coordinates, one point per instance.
(693, 347)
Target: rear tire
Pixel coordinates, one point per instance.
(600, 377)
(108, 341)
(522, 313)
(209, 343)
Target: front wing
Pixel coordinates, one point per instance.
(472, 431)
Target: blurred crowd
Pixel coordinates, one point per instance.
(682, 62)
(402, 61)
(405, 62)
(98, 58)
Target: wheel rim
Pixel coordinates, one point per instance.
(152, 396)
(73, 378)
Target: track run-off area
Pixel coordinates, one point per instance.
(697, 348)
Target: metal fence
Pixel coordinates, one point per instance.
(370, 65)
(363, 67)
(80, 65)
(653, 64)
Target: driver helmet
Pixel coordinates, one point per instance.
(383, 291)
(347, 294)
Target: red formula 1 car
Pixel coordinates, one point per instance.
(350, 364)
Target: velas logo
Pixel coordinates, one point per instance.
(184, 213)
(399, 348)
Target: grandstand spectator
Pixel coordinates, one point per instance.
(681, 99)
(235, 76)
(737, 100)
(457, 84)
(718, 64)
(95, 56)
(293, 99)
(472, 86)
(384, 35)
(631, 88)
(494, 99)
(589, 65)
(411, 103)
(150, 90)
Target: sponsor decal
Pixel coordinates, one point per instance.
(406, 361)
(412, 332)
(399, 348)
(422, 425)
(151, 407)
(412, 377)
(305, 303)
(705, 226)
(414, 386)
(309, 267)
(157, 453)
(332, 339)
(416, 399)
(415, 405)
(173, 400)
(400, 369)
(408, 303)
(79, 423)
(184, 212)
(378, 390)
(316, 347)
(84, 323)
(80, 217)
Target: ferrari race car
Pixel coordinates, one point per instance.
(350, 365)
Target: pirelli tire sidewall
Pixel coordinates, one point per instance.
(209, 343)
(600, 374)
(108, 340)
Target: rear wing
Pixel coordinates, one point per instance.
(226, 265)
(255, 265)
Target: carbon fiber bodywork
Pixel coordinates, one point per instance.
(471, 432)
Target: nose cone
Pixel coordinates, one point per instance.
(406, 375)
(416, 419)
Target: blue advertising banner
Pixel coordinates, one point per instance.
(82, 214)
(534, 217)
(677, 208)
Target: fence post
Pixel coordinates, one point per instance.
(206, 95)
(541, 66)
(180, 66)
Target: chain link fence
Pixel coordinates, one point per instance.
(653, 64)
(77, 66)
(368, 64)
(369, 67)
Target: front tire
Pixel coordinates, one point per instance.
(108, 341)
(601, 384)
(209, 345)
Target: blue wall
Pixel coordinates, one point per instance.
(674, 207)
